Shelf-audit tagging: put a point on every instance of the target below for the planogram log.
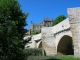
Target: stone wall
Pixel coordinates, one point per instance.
(74, 19)
(35, 41)
(48, 43)
(52, 35)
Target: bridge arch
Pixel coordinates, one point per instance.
(65, 46)
(40, 44)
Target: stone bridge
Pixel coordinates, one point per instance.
(36, 41)
(60, 38)
(56, 39)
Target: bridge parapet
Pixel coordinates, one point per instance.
(68, 29)
(61, 26)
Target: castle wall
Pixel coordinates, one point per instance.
(46, 23)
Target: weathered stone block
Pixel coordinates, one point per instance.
(74, 19)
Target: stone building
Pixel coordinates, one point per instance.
(45, 23)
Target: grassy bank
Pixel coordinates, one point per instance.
(57, 57)
(66, 57)
(41, 58)
(36, 54)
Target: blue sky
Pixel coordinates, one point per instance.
(40, 9)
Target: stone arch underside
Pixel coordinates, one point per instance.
(65, 46)
(40, 45)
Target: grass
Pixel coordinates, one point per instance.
(41, 58)
(56, 57)
(66, 57)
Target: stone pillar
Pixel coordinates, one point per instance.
(35, 44)
(48, 43)
(74, 19)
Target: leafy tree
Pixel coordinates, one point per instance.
(12, 22)
(58, 19)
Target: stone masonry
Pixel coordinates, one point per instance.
(74, 19)
(51, 37)
(57, 39)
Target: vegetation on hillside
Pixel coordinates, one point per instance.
(36, 32)
(58, 20)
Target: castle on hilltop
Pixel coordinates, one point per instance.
(45, 23)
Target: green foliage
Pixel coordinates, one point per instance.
(58, 19)
(33, 52)
(66, 57)
(12, 22)
(36, 32)
(41, 58)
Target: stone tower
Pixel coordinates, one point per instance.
(74, 19)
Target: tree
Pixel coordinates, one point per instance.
(12, 22)
(58, 19)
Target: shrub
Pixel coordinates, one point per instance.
(33, 52)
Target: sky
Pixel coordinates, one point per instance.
(41, 9)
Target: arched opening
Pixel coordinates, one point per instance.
(40, 45)
(65, 46)
(44, 52)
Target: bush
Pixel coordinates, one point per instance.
(33, 52)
